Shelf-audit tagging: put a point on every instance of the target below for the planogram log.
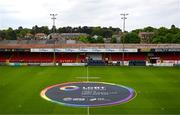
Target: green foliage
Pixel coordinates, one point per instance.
(130, 38)
(164, 35)
(176, 38)
(2, 34)
(161, 35)
(149, 29)
(21, 33)
(11, 34)
(91, 40)
(44, 29)
(137, 31)
(162, 31)
(97, 31)
(158, 39)
(113, 40)
(83, 39)
(107, 33)
(99, 39)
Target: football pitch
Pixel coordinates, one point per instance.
(157, 88)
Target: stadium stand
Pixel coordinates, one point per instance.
(31, 57)
(66, 58)
(169, 56)
(127, 56)
(4, 57)
(49, 51)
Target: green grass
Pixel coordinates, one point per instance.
(158, 89)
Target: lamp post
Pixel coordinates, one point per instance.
(54, 30)
(54, 21)
(124, 17)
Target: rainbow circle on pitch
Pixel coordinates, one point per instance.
(88, 94)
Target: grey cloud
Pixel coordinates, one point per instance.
(107, 13)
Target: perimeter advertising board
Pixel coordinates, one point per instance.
(91, 50)
(166, 50)
(14, 50)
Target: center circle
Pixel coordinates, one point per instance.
(88, 94)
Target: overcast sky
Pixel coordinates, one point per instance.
(142, 13)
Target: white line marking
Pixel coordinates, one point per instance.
(88, 77)
(87, 81)
(88, 111)
(87, 74)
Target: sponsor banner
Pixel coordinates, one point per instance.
(157, 58)
(14, 50)
(2, 64)
(71, 50)
(164, 64)
(24, 64)
(8, 50)
(47, 64)
(83, 50)
(126, 63)
(22, 50)
(73, 64)
(95, 50)
(128, 50)
(166, 50)
(145, 50)
(17, 64)
(59, 50)
(169, 61)
(177, 65)
(42, 50)
(2, 50)
(11, 64)
(33, 64)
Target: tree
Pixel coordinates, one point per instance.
(161, 35)
(162, 31)
(130, 38)
(91, 40)
(176, 38)
(107, 33)
(137, 31)
(44, 29)
(2, 35)
(11, 34)
(149, 29)
(158, 39)
(113, 40)
(99, 39)
(83, 39)
(87, 30)
(22, 34)
(168, 38)
(34, 30)
(97, 31)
